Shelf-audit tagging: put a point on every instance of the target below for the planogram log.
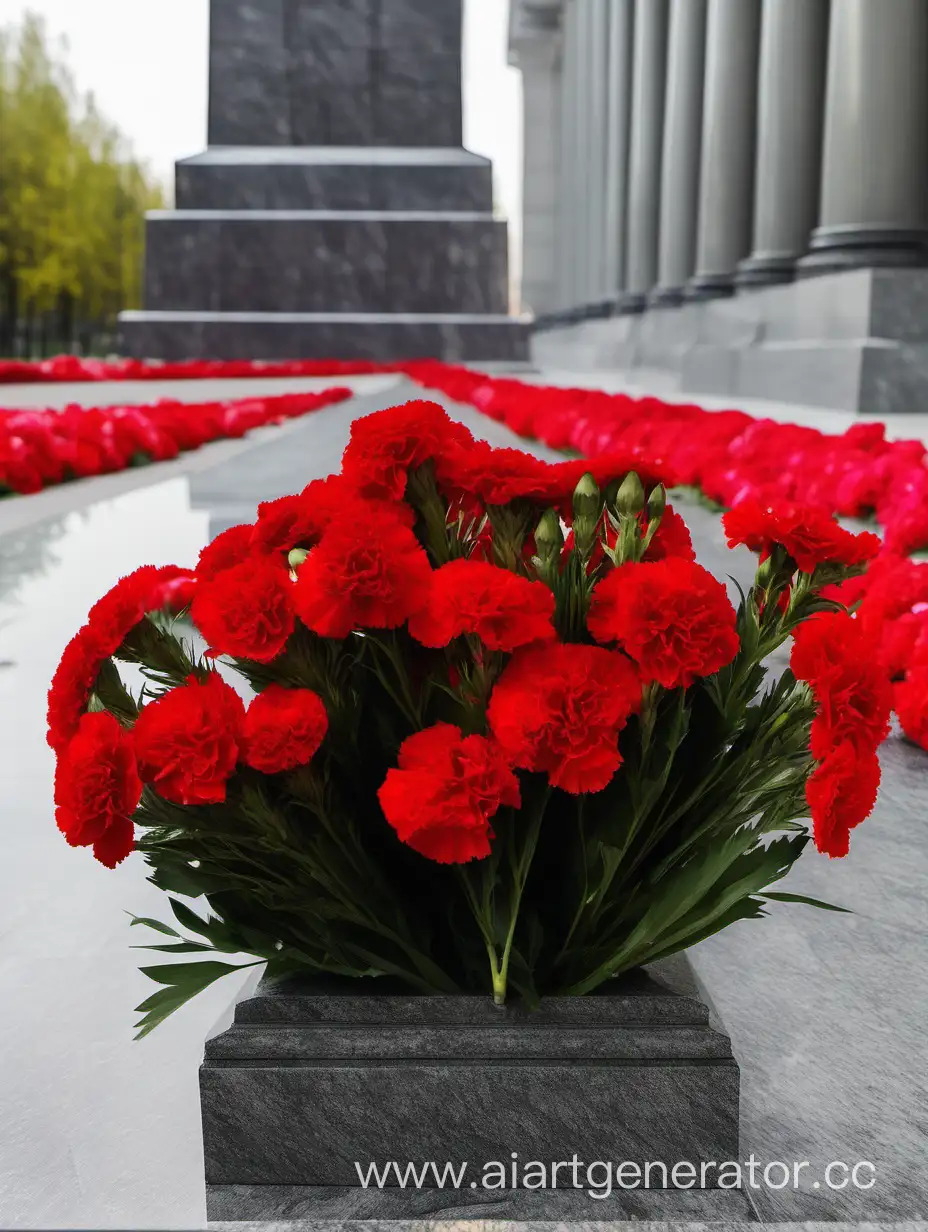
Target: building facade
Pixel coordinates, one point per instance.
(731, 195)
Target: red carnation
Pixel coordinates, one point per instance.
(840, 660)
(446, 790)
(841, 794)
(470, 596)
(187, 742)
(362, 576)
(225, 552)
(672, 617)
(97, 789)
(387, 445)
(810, 535)
(911, 705)
(673, 538)
(283, 729)
(559, 709)
(247, 612)
(498, 476)
(298, 521)
(111, 620)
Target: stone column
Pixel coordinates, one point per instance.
(535, 49)
(874, 209)
(644, 176)
(619, 98)
(793, 47)
(569, 166)
(686, 59)
(597, 94)
(726, 194)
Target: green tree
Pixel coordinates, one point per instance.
(72, 204)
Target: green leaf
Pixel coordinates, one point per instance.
(809, 902)
(189, 918)
(183, 981)
(179, 947)
(196, 974)
(155, 924)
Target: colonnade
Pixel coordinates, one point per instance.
(699, 147)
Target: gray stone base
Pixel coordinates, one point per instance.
(315, 1077)
(334, 178)
(454, 337)
(854, 341)
(325, 261)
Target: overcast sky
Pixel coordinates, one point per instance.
(146, 63)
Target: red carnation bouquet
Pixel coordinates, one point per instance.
(468, 719)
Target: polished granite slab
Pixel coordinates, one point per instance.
(335, 178)
(388, 337)
(323, 261)
(826, 1012)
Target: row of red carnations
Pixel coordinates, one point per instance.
(42, 448)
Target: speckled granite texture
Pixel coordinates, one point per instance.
(335, 185)
(316, 1077)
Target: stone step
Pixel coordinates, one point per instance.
(334, 178)
(317, 261)
(454, 337)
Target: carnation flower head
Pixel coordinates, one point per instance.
(97, 788)
(299, 521)
(671, 616)
(387, 445)
(247, 611)
(364, 575)
(673, 538)
(187, 741)
(502, 608)
(841, 793)
(910, 700)
(109, 623)
(446, 790)
(226, 551)
(499, 476)
(809, 534)
(839, 659)
(560, 708)
(283, 729)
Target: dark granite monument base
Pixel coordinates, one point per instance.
(386, 337)
(325, 261)
(852, 341)
(318, 1079)
(335, 178)
(336, 213)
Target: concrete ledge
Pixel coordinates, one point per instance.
(459, 338)
(853, 341)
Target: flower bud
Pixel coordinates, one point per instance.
(587, 500)
(297, 557)
(631, 498)
(657, 503)
(549, 537)
(766, 574)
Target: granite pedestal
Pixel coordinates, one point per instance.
(316, 1077)
(336, 201)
